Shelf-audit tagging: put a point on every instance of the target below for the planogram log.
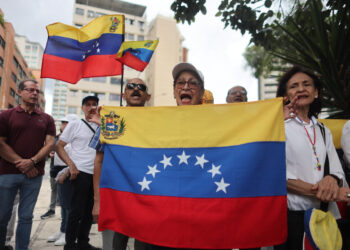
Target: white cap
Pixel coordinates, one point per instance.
(181, 67)
(69, 118)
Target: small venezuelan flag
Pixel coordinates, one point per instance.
(202, 176)
(72, 53)
(137, 54)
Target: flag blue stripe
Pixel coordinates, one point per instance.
(251, 170)
(141, 53)
(108, 44)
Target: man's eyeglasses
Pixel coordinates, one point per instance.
(191, 83)
(139, 86)
(31, 90)
(242, 92)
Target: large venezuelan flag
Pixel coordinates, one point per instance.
(72, 53)
(206, 176)
(137, 54)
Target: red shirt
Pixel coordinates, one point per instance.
(25, 133)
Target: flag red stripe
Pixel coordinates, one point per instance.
(132, 61)
(205, 223)
(72, 71)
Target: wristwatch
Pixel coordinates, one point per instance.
(339, 181)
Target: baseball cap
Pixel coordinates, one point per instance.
(181, 67)
(89, 97)
(69, 118)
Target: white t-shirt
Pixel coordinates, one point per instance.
(301, 161)
(345, 143)
(78, 134)
(57, 161)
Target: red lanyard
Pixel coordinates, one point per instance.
(318, 165)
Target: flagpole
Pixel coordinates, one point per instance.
(121, 86)
(122, 78)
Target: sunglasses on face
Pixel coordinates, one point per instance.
(139, 86)
(242, 92)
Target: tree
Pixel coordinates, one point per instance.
(314, 34)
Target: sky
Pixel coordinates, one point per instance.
(216, 51)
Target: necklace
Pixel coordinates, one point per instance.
(318, 165)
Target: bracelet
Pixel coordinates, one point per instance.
(339, 181)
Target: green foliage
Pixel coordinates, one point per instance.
(314, 34)
(186, 10)
(2, 20)
(259, 60)
(103, 123)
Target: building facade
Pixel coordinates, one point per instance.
(32, 51)
(108, 89)
(168, 53)
(68, 96)
(13, 67)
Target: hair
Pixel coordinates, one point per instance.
(193, 73)
(21, 83)
(316, 105)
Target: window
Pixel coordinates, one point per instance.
(131, 21)
(28, 47)
(2, 42)
(1, 61)
(10, 106)
(99, 14)
(141, 25)
(99, 79)
(15, 62)
(73, 92)
(140, 38)
(17, 99)
(91, 13)
(79, 11)
(131, 37)
(0, 81)
(101, 96)
(14, 77)
(270, 84)
(85, 93)
(115, 80)
(12, 92)
(114, 97)
(72, 110)
(78, 25)
(34, 48)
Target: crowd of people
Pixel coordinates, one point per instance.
(315, 176)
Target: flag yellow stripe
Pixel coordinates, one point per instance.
(137, 45)
(92, 30)
(336, 128)
(199, 126)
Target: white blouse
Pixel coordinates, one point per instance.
(302, 163)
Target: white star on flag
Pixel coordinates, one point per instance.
(83, 56)
(183, 158)
(98, 50)
(214, 170)
(153, 170)
(222, 185)
(144, 184)
(166, 161)
(201, 161)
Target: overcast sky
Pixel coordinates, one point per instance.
(217, 52)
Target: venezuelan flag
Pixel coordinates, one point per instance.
(72, 53)
(336, 128)
(137, 54)
(204, 176)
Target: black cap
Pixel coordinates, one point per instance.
(89, 97)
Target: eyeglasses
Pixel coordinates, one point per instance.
(191, 83)
(242, 92)
(31, 90)
(139, 86)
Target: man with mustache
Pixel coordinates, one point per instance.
(135, 95)
(236, 94)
